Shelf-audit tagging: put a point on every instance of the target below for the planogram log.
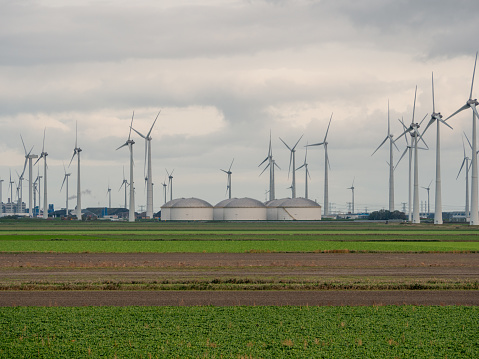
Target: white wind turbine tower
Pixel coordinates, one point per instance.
(474, 185)
(436, 116)
(427, 189)
(170, 183)
(164, 188)
(65, 179)
(39, 179)
(228, 182)
(414, 131)
(1, 191)
(45, 194)
(326, 167)
(391, 163)
(29, 157)
(352, 194)
(108, 192)
(130, 143)
(11, 183)
(148, 175)
(76, 151)
(306, 173)
(292, 159)
(271, 164)
(466, 162)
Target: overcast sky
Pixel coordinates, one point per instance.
(225, 73)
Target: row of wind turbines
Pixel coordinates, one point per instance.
(413, 148)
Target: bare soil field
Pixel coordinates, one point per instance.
(35, 272)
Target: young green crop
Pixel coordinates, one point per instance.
(104, 246)
(240, 332)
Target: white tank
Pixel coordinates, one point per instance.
(244, 209)
(299, 209)
(189, 209)
(218, 210)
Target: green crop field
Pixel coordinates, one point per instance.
(101, 237)
(240, 332)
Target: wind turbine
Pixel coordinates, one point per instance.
(11, 183)
(414, 131)
(130, 143)
(108, 191)
(409, 149)
(76, 151)
(228, 182)
(1, 191)
(65, 179)
(352, 193)
(164, 188)
(292, 158)
(391, 163)
(306, 173)
(125, 184)
(326, 167)
(170, 183)
(45, 195)
(29, 157)
(474, 185)
(438, 197)
(39, 179)
(427, 189)
(148, 175)
(271, 164)
(466, 162)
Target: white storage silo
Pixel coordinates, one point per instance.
(191, 209)
(299, 209)
(272, 208)
(244, 209)
(218, 210)
(166, 209)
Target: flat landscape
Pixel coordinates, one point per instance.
(45, 266)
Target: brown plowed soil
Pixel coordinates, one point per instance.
(92, 267)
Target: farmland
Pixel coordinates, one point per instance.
(309, 270)
(240, 332)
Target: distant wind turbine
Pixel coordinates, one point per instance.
(65, 179)
(44, 155)
(391, 163)
(306, 173)
(170, 183)
(416, 136)
(271, 164)
(474, 185)
(164, 188)
(352, 194)
(76, 152)
(228, 182)
(130, 143)
(326, 167)
(148, 174)
(29, 157)
(124, 184)
(465, 161)
(438, 197)
(427, 189)
(292, 160)
(108, 192)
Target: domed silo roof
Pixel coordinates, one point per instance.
(276, 202)
(245, 203)
(224, 202)
(191, 203)
(169, 204)
(299, 203)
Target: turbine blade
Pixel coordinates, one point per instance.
(468, 141)
(300, 167)
(298, 142)
(475, 110)
(414, 107)
(263, 161)
(23, 143)
(131, 124)
(382, 143)
(123, 145)
(277, 165)
(285, 144)
(231, 165)
(74, 153)
(431, 121)
(315, 144)
(473, 73)
(465, 107)
(64, 178)
(264, 170)
(39, 158)
(389, 125)
(141, 135)
(460, 169)
(433, 106)
(442, 121)
(401, 157)
(151, 128)
(327, 130)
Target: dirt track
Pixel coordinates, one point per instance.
(25, 267)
